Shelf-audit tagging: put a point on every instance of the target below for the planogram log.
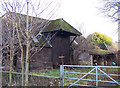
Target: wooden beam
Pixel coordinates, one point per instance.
(91, 57)
(73, 40)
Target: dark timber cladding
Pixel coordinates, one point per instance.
(61, 47)
(55, 40)
(61, 40)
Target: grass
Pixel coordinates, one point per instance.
(52, 73)
(56, 73)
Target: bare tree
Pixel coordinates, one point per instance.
(21, 47)
(27, 27)
(111, 8)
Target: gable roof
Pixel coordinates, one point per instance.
(61, 24)
(48, 26)
(99, 52)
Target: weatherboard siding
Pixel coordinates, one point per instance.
(61, 47)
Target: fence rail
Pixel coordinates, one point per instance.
(34, 79)
(97, 69)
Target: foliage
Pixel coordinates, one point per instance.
(99, 51)
(96, 47)
(100, 40)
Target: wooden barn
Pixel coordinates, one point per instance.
(103, 58)
(57, 49)
(55, 39)
(85, 53)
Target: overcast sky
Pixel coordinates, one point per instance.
(84, 15)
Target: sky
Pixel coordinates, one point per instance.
(85, 16)
(81, 14)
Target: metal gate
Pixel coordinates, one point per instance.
(95, 70)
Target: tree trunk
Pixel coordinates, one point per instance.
(11, 53)
(11, 60)
(21, 48)
(27, 49)
(22, 64)
(27, 64)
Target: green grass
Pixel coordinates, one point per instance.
(52, 73)
(113, 69)
(56, 73)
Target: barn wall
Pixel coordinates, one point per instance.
(61, 47)
(5, 40)
(104, 60)
(110, 59)
(84, 59)
(109, 62)
(41, 60)
(100, 61)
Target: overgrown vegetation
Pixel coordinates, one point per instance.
(99, 51)
(100, 40)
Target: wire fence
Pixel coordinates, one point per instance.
(34, 79)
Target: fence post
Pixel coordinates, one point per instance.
(1, 38)
(1, 76)
(62, 75)
(96, 76)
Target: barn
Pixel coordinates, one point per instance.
(61, 35)
(103, 58)
(53, 45)
(85, 53)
